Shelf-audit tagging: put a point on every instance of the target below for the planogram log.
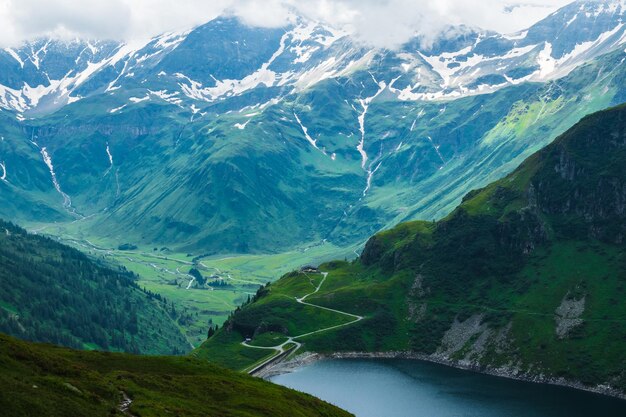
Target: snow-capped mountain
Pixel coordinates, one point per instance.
(45, 73)
(214, 61)
(548, 50)
(225, 58)
(192, 137)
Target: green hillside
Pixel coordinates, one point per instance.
(527, 276)
(202, 185)
(43, 380)
(50, 292)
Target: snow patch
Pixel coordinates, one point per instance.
(171, 98)
(15, 56)
(115, 110)
(547, 64)
(228, 88)
(279, 52)
(139, 99)
(365, 103)
(370, 176)
(516, 36)
(569, 22)
(333, 67)
(34, 58)
(11, 99)
(436, 148)
(127, 50)
(242, 126)
(108, 151)
(109, 154)
(171, 40)
(308, 137)
(67, 202)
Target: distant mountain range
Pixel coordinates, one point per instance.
(229, 138)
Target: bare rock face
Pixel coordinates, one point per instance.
(567, 315)
(460, 333)
(417, 289)
(417, 309)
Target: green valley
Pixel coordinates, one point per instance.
(174, 199)
(230, 280)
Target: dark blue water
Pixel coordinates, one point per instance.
(405, 388)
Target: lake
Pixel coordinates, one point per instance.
(407, 388)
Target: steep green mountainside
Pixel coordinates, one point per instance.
(53, 293)
(526, 277)
(44, 380)
(154, 175)
(232, 139)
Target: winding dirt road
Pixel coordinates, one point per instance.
(280, 349)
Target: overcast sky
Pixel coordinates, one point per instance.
(377, 22)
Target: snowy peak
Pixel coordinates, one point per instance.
(44, 60)
(43, 73)
(217, 60)
(225, 58)
(577, 23)
(550, 49)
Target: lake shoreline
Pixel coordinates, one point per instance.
(308, 358)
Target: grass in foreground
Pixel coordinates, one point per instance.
(45, 380)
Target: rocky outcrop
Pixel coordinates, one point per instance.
(568, 315)
(128, 130)
(460, 333)
(373, 251)
(416, 308)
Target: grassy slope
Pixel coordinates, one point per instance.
(45, 380)
(268, 321)
(53, 293)
(206, 185)
(509, 255)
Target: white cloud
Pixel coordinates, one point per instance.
(377, 22)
